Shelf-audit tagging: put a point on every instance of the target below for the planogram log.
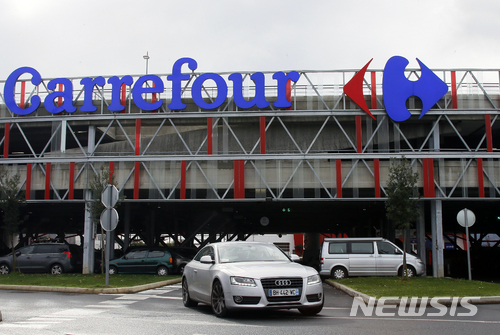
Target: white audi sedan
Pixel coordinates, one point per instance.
(246, 275)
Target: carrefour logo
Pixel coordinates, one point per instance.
(397, 89)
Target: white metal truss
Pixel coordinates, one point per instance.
(319, 129)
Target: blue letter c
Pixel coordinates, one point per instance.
(9, 91)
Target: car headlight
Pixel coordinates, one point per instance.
(242, 281)
(314, 279)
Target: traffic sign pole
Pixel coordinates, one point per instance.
(109, 220)
(468, 247)
(108, 253)
(467, 218)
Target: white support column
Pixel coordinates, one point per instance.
(126, 221)
(64, 125)
(89, 229)
(437, 238)
(88, 240)
(422, 253)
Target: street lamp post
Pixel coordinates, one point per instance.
(146, 57)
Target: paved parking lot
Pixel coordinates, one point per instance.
(160, 311)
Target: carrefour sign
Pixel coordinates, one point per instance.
(158, 87)
(396, 89)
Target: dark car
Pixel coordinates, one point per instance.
(145, 260)
(54, 258)
(182, 256)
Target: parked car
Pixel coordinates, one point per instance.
(144, 260)
(182, 256)
(250, 275)
(342, 257)
(54, 258)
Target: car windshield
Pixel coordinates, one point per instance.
(251, 253)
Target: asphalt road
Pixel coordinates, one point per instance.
(160, 311)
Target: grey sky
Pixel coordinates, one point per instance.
(87, 38)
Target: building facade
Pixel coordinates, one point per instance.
(204, 156)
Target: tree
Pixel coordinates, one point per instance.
(97, 185)
(402, 199)
(11, 201)
(95, 206)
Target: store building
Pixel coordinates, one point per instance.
(209, 156)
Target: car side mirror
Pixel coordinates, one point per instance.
(295, 258)
(18, 253)
(397, 251)
(206, 259)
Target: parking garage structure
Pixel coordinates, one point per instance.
(301, 157)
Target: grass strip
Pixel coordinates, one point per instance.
(420, 287)
(81, 280)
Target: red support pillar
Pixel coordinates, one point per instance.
(239, 179)
(111, 172)
(71, 189)
(209, 135)
(242, 179)
(154, 98)
(183, 180)
(454, 90)
(262, 135)
(6, 140)
(137, 153)
(22, 102)
(289, 93)
(28, 181)
(374, 90)
(489, 137)
(339, 178)
(376, 172)
(425, 171)
(236, 180)
(59, 98)
(123, 99)
(480, 177)
(23, 92)
(432, 189)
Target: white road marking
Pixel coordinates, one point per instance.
(155, 291)
(208, 323)
(118, 302)
(30, 326)
(169, 298)
(79, 312)
(29, 322)
(175, 286)
(348, 308)
(105, 306)
(133, 297)
(51, 318)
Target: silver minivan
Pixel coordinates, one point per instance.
(342, 257)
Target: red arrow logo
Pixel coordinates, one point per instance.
(354, 89)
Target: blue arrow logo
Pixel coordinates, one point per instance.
(397, 88)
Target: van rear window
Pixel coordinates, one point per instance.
(362, 247)
(337, 248)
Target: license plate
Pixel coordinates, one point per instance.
(284, 292)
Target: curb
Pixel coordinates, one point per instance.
(447, 301)
(117, 290)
